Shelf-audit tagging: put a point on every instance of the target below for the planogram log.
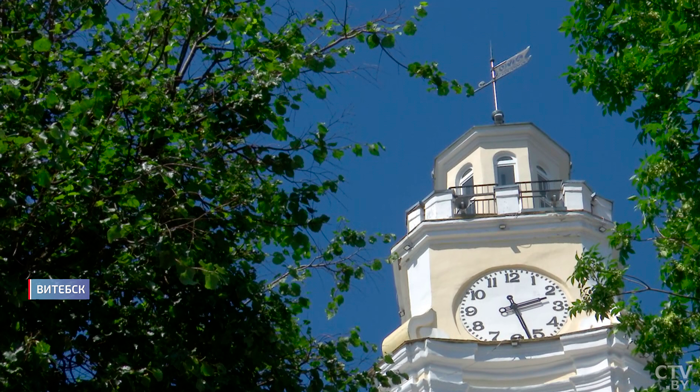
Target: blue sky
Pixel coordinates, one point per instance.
(415, 126)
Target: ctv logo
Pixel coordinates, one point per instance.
(677, 383)
(59, 289)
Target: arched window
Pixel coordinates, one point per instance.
(543, 185)
(467, 178)
(466, 188)
(505, 170)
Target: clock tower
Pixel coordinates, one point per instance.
(482, 277)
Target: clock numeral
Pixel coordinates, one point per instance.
(537, 333)
(558, 306)
(492, 282)
(470, 311)
(550, 290)
(553, 322)
(495, 333)
(478, 326)
(517, 336)
(513, 277)
(533, 280)
(478, 294)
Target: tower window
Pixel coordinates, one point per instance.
(541, 174)
(505, 171)
(542, 186)
(466, 184)
(467, 180)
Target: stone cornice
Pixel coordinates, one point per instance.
(521, 226)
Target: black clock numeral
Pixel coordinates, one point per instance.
(495, 333)
(492, 282)
(550, 290)
(513, 277)
(517, 336)
(478, 326)
(553, 322)
(533, 280)
(537, 333)
(478, 294)
(470, 311)
(558, 306)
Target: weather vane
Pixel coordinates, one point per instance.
(498, 72)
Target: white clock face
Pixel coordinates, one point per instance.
(514, 304)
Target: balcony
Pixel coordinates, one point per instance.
(473, 202)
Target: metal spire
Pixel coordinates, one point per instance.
(493, 79)
(498, 72)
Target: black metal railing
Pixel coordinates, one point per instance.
(535, 195)
(471, 200)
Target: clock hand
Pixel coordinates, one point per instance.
(522, 304)
(515, 306)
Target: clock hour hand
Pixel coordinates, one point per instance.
(522, 304)
(515, 307)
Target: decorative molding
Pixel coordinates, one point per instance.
(593, 361)
(424, 326)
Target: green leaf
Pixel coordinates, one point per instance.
(329, 61)
(320, 92)
(156, 14)
(211, 280)
(280, 134)
(42, 348)
(278, 258)
(187, 276)
(610, 10)
(316, 224)
(74, 81)
(43, 179)
(207, 370)
(373, 41)
(132, 202)
(357, 150)
(239, 24)
(388, 41)
(376, 265)
(114, 233)
(157, 374)
(410, 28)
(52, 99)
(314, 64)
(42, 45)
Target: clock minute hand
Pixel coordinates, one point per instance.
(515, 306)
(532, 301)
(522, 304)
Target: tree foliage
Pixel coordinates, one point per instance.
(642, 59)
(146, 145)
